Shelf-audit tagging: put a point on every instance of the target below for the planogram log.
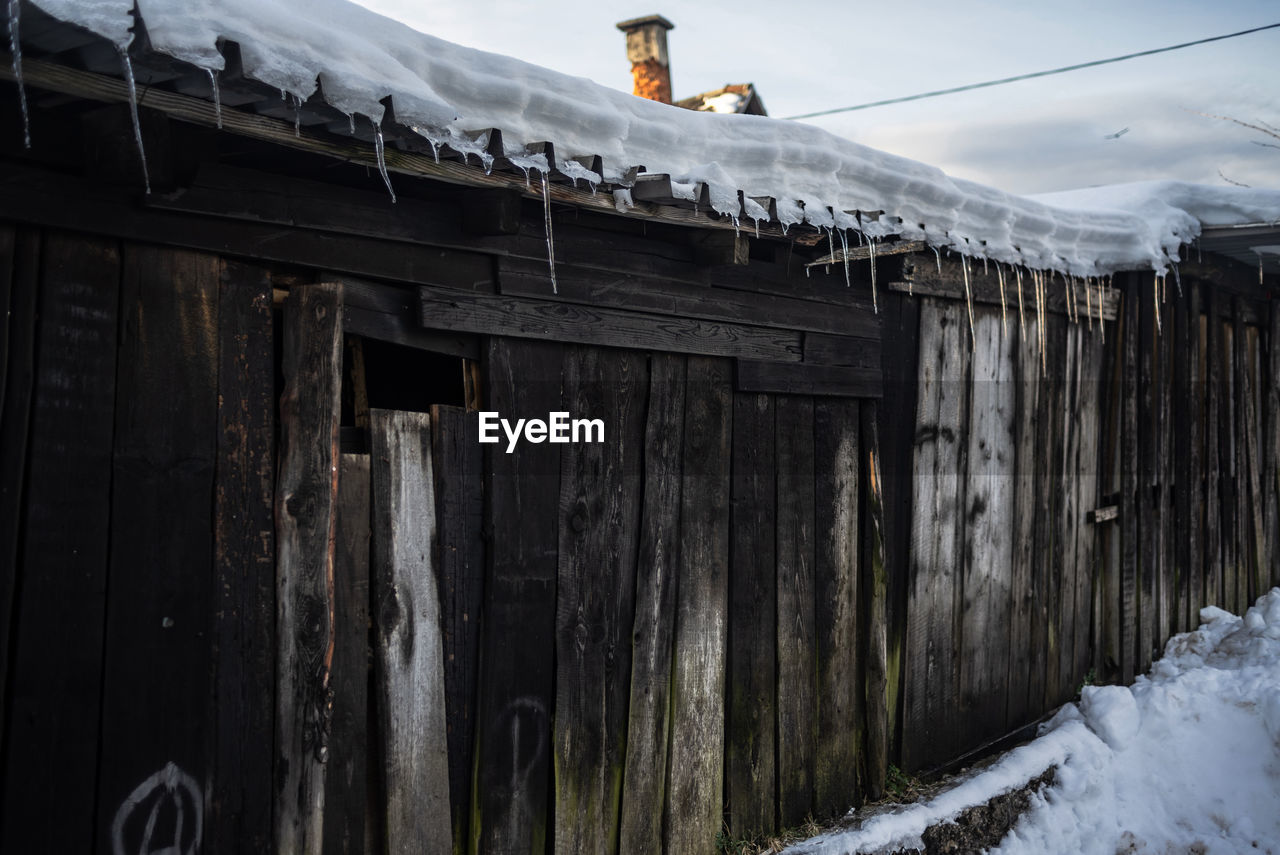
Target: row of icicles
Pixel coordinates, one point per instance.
(1093, 287)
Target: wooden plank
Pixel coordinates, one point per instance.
(244, 565)
(751, 739)
(797, 723)
(599, 519)
(517, 681)
(1165, 575)
(306, 495)
(21, 268)
(695, 774)
(924, 279)
(1129, 485)
(56, 654)
(1106, 603)
(458, 465)
(1258, 567)
(1227, 449)
(807, 379)
(1271, 442)
(849, 351)
(1214, 579)
(649, 719)
(346, 783)
(1088, 572)
(638, 291)
(1148, 467)
(901, 357)
(157, 650)
(932, 665)
(1067, 514)
(840, 703)
(1195, 468)
(389, 313)
(544, 319)
(408, 643)
(988, 542)
(1184, 531)
(875, 595)
(1026, 377)
(1052, 440)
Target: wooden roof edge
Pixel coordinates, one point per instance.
(55, 77)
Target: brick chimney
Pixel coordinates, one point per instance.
(647, 50)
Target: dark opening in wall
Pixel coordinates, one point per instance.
(386, 376)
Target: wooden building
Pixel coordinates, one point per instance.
(263, 589)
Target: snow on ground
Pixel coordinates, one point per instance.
(450, 94)
(1185, 761)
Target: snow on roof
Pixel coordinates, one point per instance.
(453, 95)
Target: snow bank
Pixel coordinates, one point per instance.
(1187, 760)
(451, 94)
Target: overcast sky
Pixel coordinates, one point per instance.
(1026, 137)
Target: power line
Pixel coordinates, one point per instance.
(956, 89)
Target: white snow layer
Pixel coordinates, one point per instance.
(451, 94)
(1186, 760)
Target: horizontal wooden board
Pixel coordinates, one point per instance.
(805, 379)
(847, 350)
(924, 276)
(643, 292)
(544, 319)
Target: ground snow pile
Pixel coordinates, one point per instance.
(357, 60)
(1187, 760)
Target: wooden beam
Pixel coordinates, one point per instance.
(408, 645)
(491, 211)
(925, 276)
(712, 249)
(806, 379)
(306, 520)
(545, 319)
(864, 253)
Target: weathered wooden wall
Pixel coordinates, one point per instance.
(1068, 514)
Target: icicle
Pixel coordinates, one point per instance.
(1004, 311)
(1039, 281)
(1102, 328)
(380, 148)
(1022, 318)
(15, 48)
(1156, 302)
(844, 248)
(133, 109)
(968, 299)
(435, 150)
(1259, 266)
(808, 274)
(1088, 305)
(297, 117)
(217, 96)
(1177, 280)
(351, 120)
(831, 246)
(985, 272)
(551, 243)
(875, 303)
(937, 256)
(757, 229)
(737, 230)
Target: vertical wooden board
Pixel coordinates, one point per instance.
(1179, 424)
(51, 747)
(874, 596)
(653, 628)
(1129, 485)
(1195, 462)
(1164, 494)
(988, 544)
(157, 652)
(346, 782)
(900, 319)
(407, 640)
(1259, 574)
(1088, 576)
(22, 267)
(512, 778)
(1043, 529)
(932, 670)
(244, 566)
(1024, 558)
(695, 782)
(837, 509)
(458, 464)
(1106, 629)
(1227, 447)
(600, 500)
(797, 722)
(1068, 516)
(1271, 442)
(751, 738)
(1212, 337)
(8, 247)
(306, 499)
(1148, 463)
